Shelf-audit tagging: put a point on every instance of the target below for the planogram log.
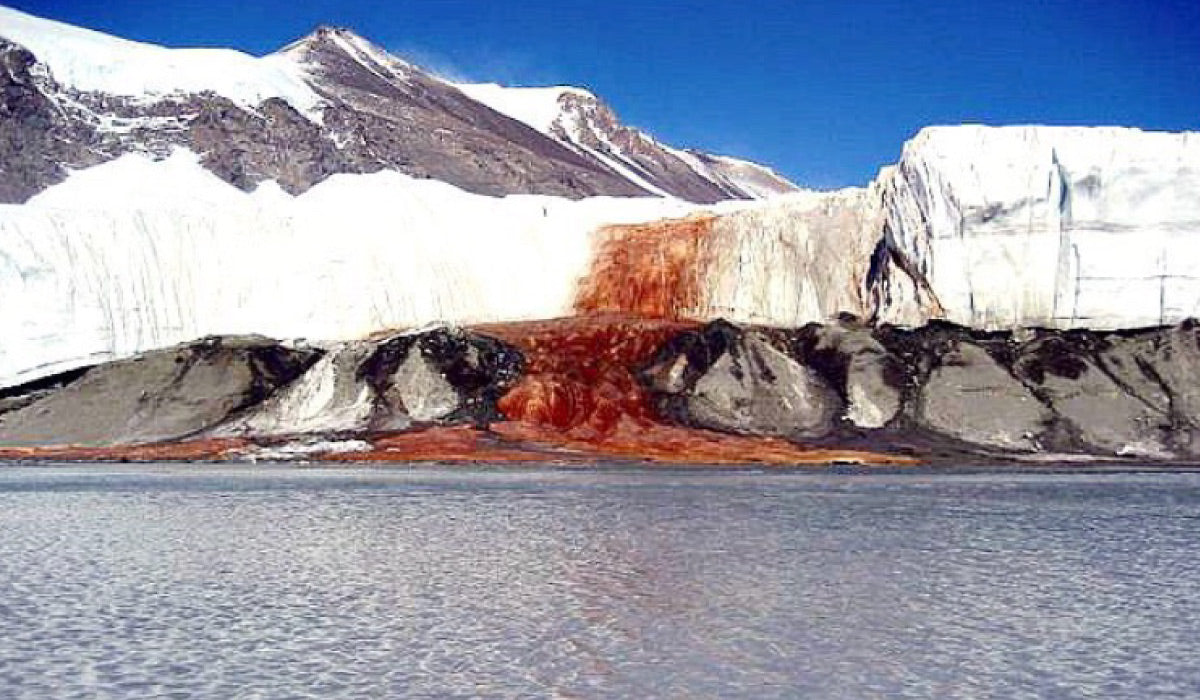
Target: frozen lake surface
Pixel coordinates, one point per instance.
(222, 582)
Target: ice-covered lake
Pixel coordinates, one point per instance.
(220, 582)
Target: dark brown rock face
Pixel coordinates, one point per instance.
(278, 144)
(37, 142)
(388, 114)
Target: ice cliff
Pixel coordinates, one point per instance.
(986, 227)
(136, 254)
(1051, 226)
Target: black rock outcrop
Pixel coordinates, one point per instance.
(445, 374)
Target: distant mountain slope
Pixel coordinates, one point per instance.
(581, 121)
(329, 103)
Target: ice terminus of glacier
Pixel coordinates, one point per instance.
(1067, 227)
(136, 254)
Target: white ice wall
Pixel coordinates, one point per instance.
(137, 254)
(804, 257)
(1067, 227)
(1052, 226)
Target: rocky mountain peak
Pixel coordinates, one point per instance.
(583, 112)
(332, 49)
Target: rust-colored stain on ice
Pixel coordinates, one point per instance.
(654, 270)
(579, 372)
(580, 396)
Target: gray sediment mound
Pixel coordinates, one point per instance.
(157, 396)
(726, 378)
(936, 391)
(256, 387)
(942, 389)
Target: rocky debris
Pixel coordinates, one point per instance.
(869, 379)
(158, 396)
(971, 397)
(328, 398)
(443, 375)
(274, 143)
(439, 376)
(238, 387)
(941, 390)
(1162, 368)
(725, 378)
(14, 398)
(1105, 412)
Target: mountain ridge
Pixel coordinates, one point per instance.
(329, 102)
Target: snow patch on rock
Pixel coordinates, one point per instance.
(538, 107)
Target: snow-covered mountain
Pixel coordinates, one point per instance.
(329, 103)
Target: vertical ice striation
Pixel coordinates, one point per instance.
(1051, 226)
(802, 258)
(797, 259)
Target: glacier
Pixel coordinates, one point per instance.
(1062, 227)
(136, 254)
(988, 227)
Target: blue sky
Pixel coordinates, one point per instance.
(825, 92)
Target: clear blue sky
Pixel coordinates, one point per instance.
(825, 92)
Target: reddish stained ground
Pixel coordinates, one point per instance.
(653, 270)
(579, 396)
(579, 372)
(577, 403)
(183, 451)
(524, 443)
